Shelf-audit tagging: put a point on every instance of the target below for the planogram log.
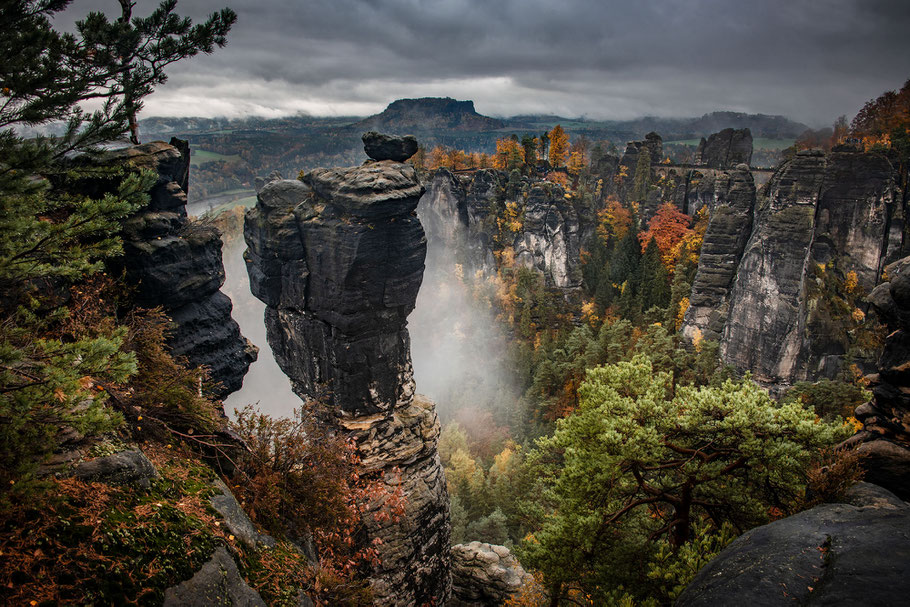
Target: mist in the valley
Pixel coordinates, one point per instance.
(265, 385)
(462, 358)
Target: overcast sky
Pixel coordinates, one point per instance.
(811, 60)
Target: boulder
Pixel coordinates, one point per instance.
(218, 582)
(854, 553)
(379, 146)
(130, 467)
(725, 149)
(484, 574)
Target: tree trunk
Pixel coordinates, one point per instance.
(683, 515)
(126, 13)
(555, 591)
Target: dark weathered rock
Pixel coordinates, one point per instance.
(237, 520)
(816, 211)
(884, 439)
(380, 146)
(731, 207)
(130, 467)
(726, 149)
(484, 574)
(339, 260)
(855, 553)
(218, 582)
(176, 264)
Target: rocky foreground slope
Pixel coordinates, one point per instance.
(338, 258)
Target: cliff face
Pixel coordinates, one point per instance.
(885, 437)
(725, 149)
(458, 212)
(339, 260)
(818, 213)
(176, 264)
(730, 205)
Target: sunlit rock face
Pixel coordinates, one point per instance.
(176, 264)
(763, 299)
(339, 258)
(460, 215)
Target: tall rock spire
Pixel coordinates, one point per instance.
(338, 257)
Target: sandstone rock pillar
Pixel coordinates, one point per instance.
(338, 257)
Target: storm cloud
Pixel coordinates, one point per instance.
(811, 61)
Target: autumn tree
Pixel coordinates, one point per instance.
(668, 228)
(642, 461)
(509, 154)
(576, 163)
(559, 146)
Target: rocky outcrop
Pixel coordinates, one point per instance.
(484, 574)
(731, 207)
(218, 582)
(176, 264)
(338, 258)
(379, 146)
(460, 215)
(884, 439)
(725, 149)
(852, 553)
(818, 213)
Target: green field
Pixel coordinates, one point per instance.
(247, 202)
(200, 157)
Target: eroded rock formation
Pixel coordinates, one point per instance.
(725, 149)
(484, 574)
(731, 207)
(819, 213)
(458, 212)
(176, 264)
(338, 258)
(885, 437)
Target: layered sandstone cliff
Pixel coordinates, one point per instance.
(175, 263)
(769, 300)
(338, 258)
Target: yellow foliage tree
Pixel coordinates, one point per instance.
(559, 146)
(576, 163)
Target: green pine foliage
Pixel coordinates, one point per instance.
(644, 459)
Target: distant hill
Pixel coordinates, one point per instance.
(428, 114)
(761, 125)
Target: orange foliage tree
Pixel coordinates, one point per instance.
(668, 228)
(559, 146)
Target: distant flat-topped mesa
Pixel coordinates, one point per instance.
(428, 113)
(338, 257)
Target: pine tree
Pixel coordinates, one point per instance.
(642, 461)
(54, 234)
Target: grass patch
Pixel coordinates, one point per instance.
(199, 157)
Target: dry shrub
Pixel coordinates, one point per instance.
(831, 475)
(300, 477)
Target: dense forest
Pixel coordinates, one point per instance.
(616, 455)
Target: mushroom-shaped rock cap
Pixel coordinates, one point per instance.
(379, 146)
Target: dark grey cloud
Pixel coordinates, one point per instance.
(811, 60)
